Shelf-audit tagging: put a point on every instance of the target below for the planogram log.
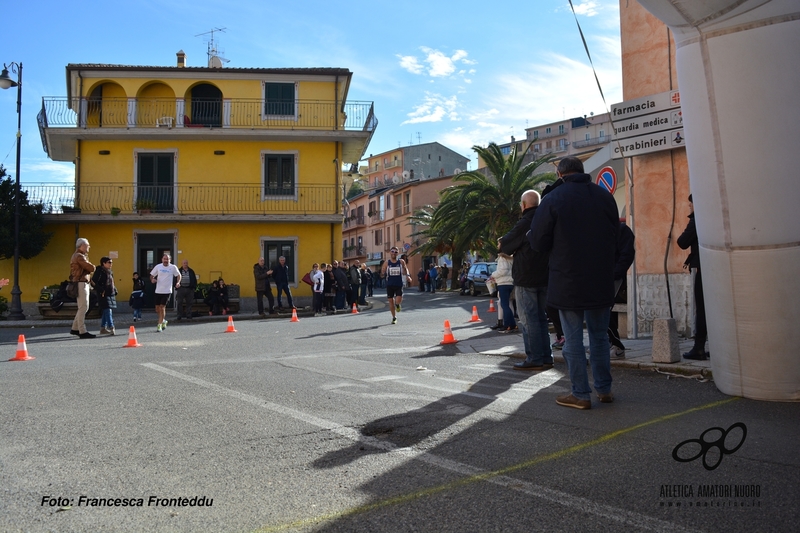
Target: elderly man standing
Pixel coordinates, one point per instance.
(80, 270)
(577, 223)
(185, 295)
(261, 275)
(529, 273)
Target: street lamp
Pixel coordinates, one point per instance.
(5, 83)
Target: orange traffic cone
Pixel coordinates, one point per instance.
(355, 309)
(448, 334)
(22, 351)
(294, 316)
(475, 317)
(230, 329)
(491, 307)
(132, 342)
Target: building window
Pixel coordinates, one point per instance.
(537, 147)
(388, 201)
(280, 174)
(397, 232)
(279, 99)
(549, 144)
(562, 143)
(535, 133)
(378, 236)
(587, 136)
(440, 158)
(560, 129)
(275, 248)
(602, 134)
(407, 203)
(547, 130)
(505, 150)
(155, 178)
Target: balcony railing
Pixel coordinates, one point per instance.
(354, 222)
(392, 164)
(185, 199)
(173, 113)
(591, 142)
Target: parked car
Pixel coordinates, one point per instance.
(476, 278)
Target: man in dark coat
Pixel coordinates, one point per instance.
(342, 284)
(688, 239)
(529, 273)
(578, 224)
(624, 259)
(263, 288)
(280, 273)
(184, 298)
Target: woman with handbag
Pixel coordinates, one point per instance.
(106, 291)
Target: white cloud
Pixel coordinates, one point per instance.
(587, 8)
(46, 171)
(411, 64)
(434, 108)
(439, 65)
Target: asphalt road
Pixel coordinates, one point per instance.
(347, 423)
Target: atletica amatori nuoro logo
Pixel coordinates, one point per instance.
(681, 452)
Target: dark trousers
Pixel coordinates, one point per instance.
(185, 299)
(362, 294)
(284, 287)
(701, 331)
(340, 296)
(260, 300)
(552, 314)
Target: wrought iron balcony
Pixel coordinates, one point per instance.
(185, 199)
(60, 112)
(63, 121)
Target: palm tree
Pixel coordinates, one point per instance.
(486, 206)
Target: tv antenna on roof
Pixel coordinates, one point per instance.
(214, 59)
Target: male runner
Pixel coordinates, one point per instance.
(395, 271)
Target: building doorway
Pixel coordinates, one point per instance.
(150, 248)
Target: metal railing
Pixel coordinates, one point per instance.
(184, 199)
(175, 113)
(354, 222)
(591, 142)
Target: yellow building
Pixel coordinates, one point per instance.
(218, 166)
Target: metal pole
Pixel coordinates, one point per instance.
(16, 302)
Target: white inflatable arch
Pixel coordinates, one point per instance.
(739, 76)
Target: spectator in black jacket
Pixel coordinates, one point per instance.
(185, 293)
(578, 223)
(530, 274)
(280, 273)
(342, 284)
(624, 260)
(688, 239)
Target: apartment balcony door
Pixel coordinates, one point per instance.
(155, 182)
(206, 106)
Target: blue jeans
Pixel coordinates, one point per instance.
(284, 287)
(575, 355)
(339, 301)
(107, 320)
(362, 294)
(137, 313)
(504, 293)
(531, 308)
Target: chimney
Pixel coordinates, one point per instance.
(512, 139)
(181, 58)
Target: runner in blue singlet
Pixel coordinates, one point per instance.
(395, 272)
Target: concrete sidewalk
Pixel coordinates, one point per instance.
(638, 353)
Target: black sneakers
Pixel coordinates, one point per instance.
(87, 335)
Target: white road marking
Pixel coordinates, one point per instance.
(632, 518)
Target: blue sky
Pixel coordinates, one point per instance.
(460, 73)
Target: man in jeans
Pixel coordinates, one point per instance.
(529, 273)
(280, 273)
(577, 223)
